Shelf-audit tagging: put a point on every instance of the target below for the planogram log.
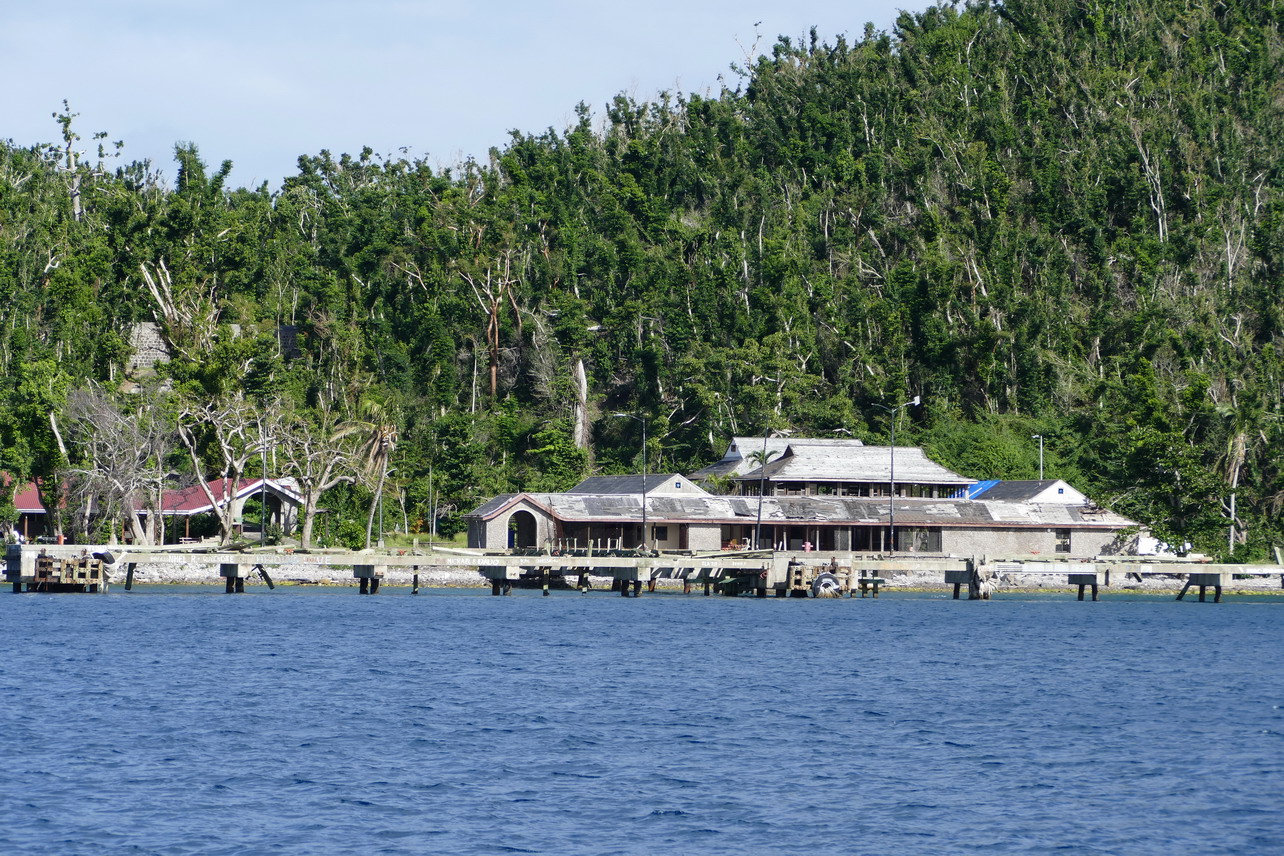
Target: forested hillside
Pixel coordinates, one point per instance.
(1054, 217)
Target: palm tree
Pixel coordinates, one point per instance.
(379, 440)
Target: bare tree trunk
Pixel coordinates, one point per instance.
(581, 432)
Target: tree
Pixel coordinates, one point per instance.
(120, 464)
(319, 452)
(222, 436)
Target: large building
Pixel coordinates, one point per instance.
(823, 495)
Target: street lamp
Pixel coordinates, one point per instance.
(1039, 437)
(642, 422)
(891, 498)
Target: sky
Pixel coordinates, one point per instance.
(260, 82)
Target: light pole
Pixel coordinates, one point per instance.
(1039, 437)
(891, 493)
(642, 422)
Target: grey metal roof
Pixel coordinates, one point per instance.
(856, 463)
(736, 460)
(622, 484)
(816, 509)
(491, 506)
(1016, 491)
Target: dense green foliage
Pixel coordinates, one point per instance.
(1062, 217)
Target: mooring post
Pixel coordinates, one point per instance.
(583, 585)
(414, 581)
(230, 588)
(637, 588)
(496, 588)
(624, 588)
(365, 585)
(708, 587)
(374, 585)
(240, 585)
(544, 575)
(129, 576)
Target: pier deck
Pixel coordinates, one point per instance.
(89, 568)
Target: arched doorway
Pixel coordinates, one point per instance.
(522, 530)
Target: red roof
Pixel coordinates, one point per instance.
(189, 500)
(28, 500)
(192, 500)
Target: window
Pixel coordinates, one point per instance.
(1061, 490)
(1063, 540)
(661, 533)
(677, 485)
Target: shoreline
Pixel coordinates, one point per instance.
(196, 573)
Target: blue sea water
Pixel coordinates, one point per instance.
(317, 721)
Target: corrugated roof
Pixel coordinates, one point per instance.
(815, 463)
(603, 485)
(1015, 491)
(803, 509)
(737, 460)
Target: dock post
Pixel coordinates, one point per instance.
(616, 582)
(686, 585)
(129, 576)
(508, 588)
(708, 587)
(496, 588)
(583, 584)
(230, 587)
(544, 574)
(624, 588)
(1217, 594)
(264, 574)
(369, 575)
(637, 588)
(650, 585)
(1184, 589)
(414, 581)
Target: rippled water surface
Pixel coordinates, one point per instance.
(176, 721)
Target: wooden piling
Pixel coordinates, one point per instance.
(414, 581)
(496, 588)
(637, 588)
(365, 585)
(129, 576)
(264, 574)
